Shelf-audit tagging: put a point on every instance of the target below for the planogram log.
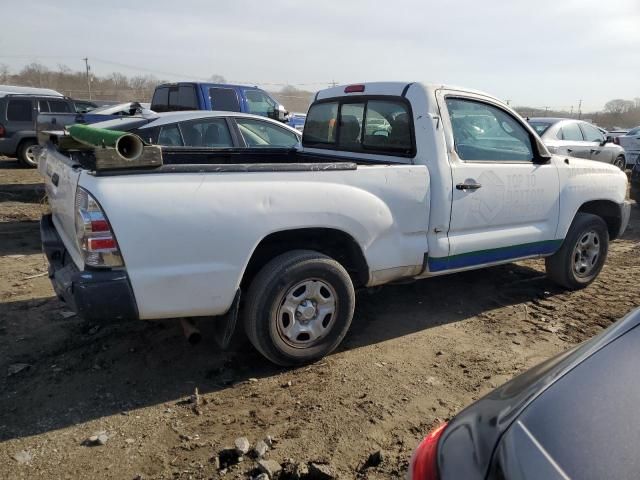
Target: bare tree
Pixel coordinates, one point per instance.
(618, 106)
(215, 78)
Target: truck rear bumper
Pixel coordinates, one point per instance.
(96, 295)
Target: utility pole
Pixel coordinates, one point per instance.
(580, 109)
(86, 64)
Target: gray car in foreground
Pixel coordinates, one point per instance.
(574, 416)
(580, 139)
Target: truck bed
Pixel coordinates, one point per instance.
(187, 159)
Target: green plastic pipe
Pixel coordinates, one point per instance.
(96, 137)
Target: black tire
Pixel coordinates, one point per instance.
(562, 267)
(620, 162)
(24, 153)
(266, 297)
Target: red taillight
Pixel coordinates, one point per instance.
(2, 130)
(95, 238)
(616, 140)
(99, 225)
(101, 244)
(424, 463)
(354, 89)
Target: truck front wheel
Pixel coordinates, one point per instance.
(583, 252)
(299, 307)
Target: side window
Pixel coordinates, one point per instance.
(20, 110)
(350, 130)
(187, 98)
(224, 99)
(59, 106)
(571, 132)
(170, 136)
(265, 134)
(212, 133)
(591, 133)
(160, 101)
(259, 103)
(43, 106)
(482, 132)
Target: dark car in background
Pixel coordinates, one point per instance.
(84, 106)
(571, 417)
(577, 138)
(18, 117)
(171, 97)
(210, 130)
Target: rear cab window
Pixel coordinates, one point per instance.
(367, 124)
(175, 98)
(224, 99)
(160, 101)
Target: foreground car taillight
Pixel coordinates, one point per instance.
(2, 131)
(424, 463)
(93, 232)
(616, 140)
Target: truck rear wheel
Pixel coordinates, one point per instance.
(26, 154)
(583, 253)
(299, 307)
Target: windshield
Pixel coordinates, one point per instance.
(540, 127)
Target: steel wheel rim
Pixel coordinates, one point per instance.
(586, 253)
(620, 163)
(306, 313)
(30, 154)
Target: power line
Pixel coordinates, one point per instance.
(139, 68)
(86, 63)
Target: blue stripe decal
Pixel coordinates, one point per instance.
(546, 247)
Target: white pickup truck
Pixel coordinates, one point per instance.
(394, 181)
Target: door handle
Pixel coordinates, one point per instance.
(468, 186)
(594, 150)
(569, 150)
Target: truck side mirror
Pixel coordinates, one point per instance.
(282, 113)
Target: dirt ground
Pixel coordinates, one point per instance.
(415, 355)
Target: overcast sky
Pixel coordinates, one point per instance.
(537, 53)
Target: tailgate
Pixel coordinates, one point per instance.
(61, 175)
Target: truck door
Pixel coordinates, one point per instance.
(504, 206)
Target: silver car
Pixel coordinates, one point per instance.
(580, 139)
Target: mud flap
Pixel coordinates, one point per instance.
(225, 325)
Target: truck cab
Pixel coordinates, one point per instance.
(216, 96)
